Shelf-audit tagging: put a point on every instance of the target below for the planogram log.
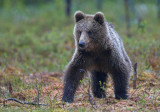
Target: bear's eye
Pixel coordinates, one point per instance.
(89, 33)
(79, 32)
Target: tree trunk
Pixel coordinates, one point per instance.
(158, 3)
(68, 8)
(99, 4)
(127, 17)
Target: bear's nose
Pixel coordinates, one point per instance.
(82, 45)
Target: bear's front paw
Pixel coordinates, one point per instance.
(121, 96)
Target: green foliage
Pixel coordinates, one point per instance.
(102, 85)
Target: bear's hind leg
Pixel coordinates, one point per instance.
(121, 83)
(98, 80)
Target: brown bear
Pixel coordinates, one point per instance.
(100, 51)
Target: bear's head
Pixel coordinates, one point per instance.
(89, 31)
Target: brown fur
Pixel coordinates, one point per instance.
(103, 54)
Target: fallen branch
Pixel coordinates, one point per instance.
(23, 103)
(18, 95)
(135, 76)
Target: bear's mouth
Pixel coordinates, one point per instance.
(82, 50)
(85, 51)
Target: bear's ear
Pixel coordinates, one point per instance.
(99, 17)
(79, 15)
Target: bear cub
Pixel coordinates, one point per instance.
(100, 51)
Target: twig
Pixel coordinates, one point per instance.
(37, 100)
(135, 76)
(92, 102)
(24, 103)
(134, 92)
(10, 88)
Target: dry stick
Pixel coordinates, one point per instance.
(23, 103)
(135, 76)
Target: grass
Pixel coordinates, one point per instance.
(36, 43)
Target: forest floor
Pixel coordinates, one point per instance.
(47, 89)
